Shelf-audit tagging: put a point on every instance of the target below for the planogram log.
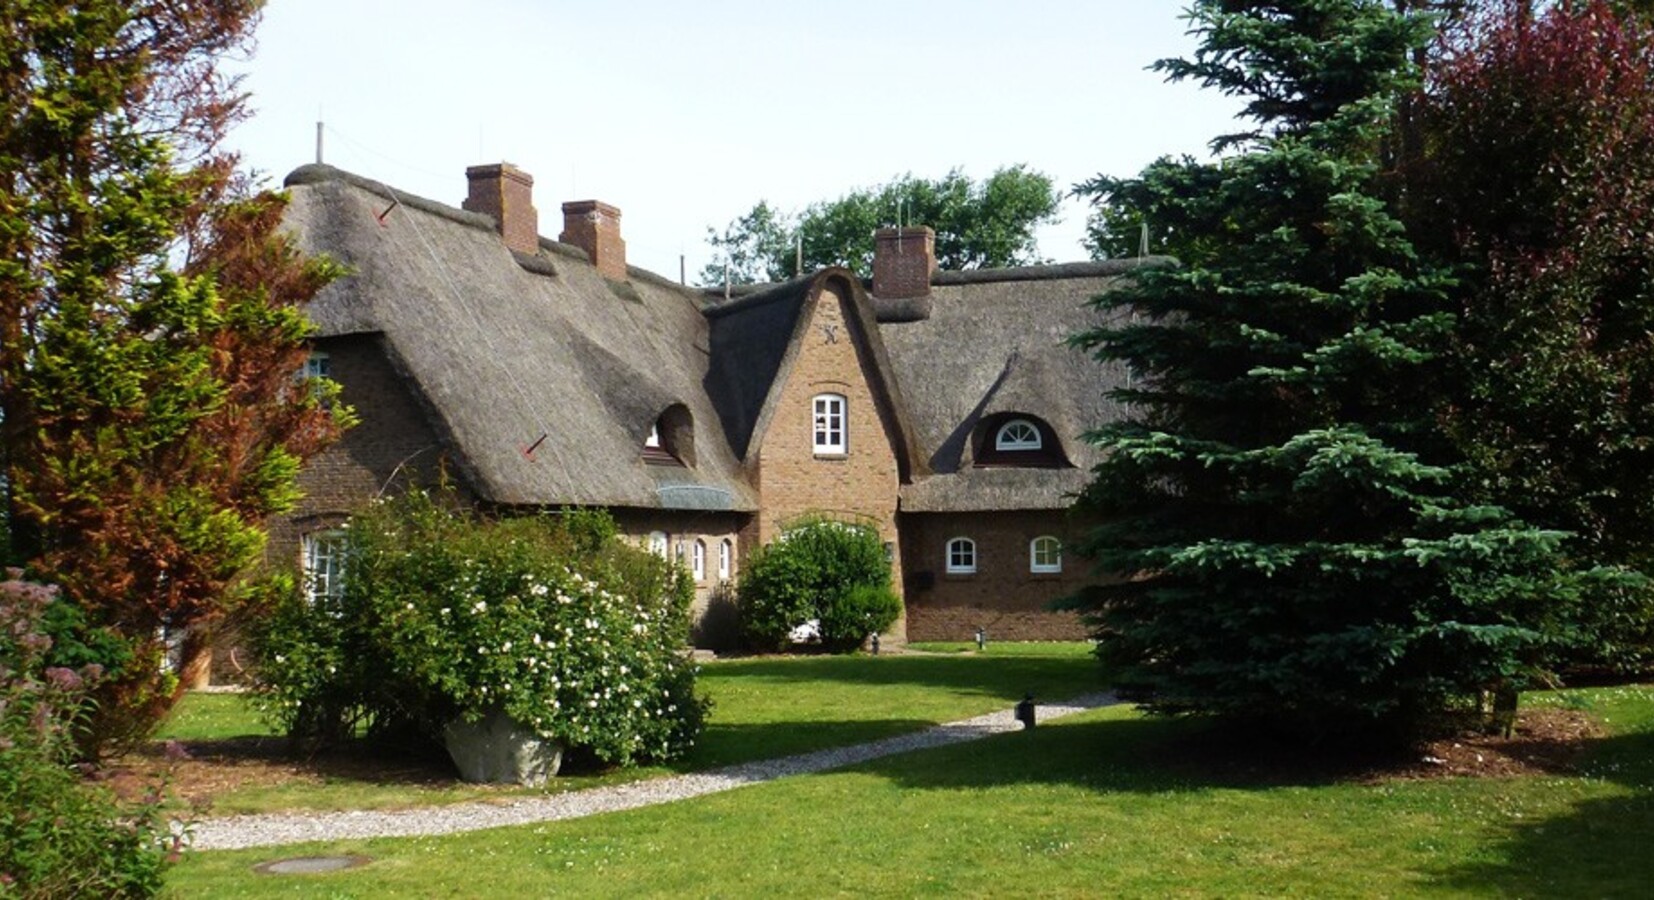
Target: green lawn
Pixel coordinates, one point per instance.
(763, 707)
(1086, 806)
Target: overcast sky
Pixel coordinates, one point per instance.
(684, 115)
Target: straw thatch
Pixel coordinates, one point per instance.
(995, 341)
(504, 350)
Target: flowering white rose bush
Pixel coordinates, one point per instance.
(570, 631)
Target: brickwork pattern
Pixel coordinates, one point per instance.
(595, 228)
(713, 625)
(860, 483)
(904, 259)
(1003, 596)
(506, 192)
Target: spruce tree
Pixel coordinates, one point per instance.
(1284, 517)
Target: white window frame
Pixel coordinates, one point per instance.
(658, 544)
(318, 365)
(960, 556)
(726, 558)
(1049, 567)
(1027, 438)
(652, 442)
(697, 560)
(324, 557)
(829, 421)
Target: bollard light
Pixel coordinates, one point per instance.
(981, 639)
(1025, 711)
(875, 643)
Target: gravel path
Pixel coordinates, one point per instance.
(235, 832)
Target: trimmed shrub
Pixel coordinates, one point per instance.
(59, 836)
(569, 630)
(806, 575)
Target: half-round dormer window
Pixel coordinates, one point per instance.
(1018, 434)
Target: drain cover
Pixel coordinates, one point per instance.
(310, 865)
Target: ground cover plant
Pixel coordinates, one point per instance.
(761, 708)
(1109, 803)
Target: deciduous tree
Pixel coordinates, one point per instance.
(983, 224)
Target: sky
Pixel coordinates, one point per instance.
(684, 115)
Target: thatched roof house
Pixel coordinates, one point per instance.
(945, 408)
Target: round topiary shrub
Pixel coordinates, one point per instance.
(829, 573)
(553, 621)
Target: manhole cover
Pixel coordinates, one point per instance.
(310, 865)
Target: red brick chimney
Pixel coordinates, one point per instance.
(595, 228)
(506, 192)
(903, 261)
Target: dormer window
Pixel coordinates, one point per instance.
(1016, 440)
(1018, 434)
(671, 439)
(319, 365)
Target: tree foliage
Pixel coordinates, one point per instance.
(983, 224)
(819, 570)
(1302, 542)
(1537, 178)
(149, 321)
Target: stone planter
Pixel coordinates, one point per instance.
(496, 750)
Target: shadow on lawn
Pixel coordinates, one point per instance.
(1598, 848)
(1006, 677)
(724, 744)
(1143, 755)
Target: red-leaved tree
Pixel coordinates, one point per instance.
(1538, 178)
(150, 411)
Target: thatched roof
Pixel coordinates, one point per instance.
(756, 338)
(506, 348)
(995, 341)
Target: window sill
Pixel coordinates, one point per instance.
(832, 457)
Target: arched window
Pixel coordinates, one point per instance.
(652, 442)
(829, 437)
(657, 543)
(1045, 554)
(726, 558)
(697, 560)
(961, 556)
(1018, 434)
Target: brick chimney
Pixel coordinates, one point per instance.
(595, 228)
(506, 192)
(903, 261)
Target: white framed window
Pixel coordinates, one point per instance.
(1045, 554)
(697, 560)
(324, 557)
(726, 558)
(652, 442)
(1018, 434)
(657, 543)
(318, 365)
(961, 556)
(829, 426)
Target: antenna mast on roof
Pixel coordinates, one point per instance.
(318, 139)
(798, 259)
(1143, 242)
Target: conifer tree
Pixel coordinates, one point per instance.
(1286, 514)
(150, 339)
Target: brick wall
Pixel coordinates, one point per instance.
(862, 482)
(1003, 596)
(392, 444)
(713, 625)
